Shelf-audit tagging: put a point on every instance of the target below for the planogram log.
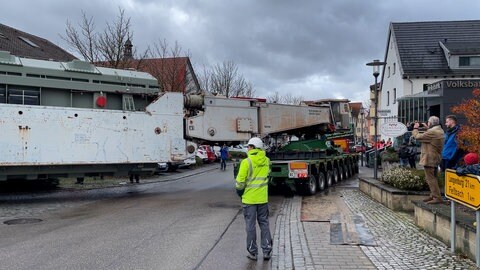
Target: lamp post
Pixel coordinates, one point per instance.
(376, 67)
(362, 149)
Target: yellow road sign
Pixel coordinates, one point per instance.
(463, 189)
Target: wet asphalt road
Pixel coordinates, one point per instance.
(192, 222)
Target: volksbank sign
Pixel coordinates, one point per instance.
(454, 84)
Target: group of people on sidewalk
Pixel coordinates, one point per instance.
(439, 149)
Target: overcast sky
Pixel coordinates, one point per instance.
(314, 49)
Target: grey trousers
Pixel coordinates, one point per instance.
(253, 213)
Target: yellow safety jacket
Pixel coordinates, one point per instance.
(252, 177)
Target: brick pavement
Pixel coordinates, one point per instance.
(400, 244)
(306, 245)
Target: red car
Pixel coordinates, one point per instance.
(360, 148)
(209, 151)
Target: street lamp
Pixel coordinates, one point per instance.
(376, 67)
(362, 149)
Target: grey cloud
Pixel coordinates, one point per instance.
(314, 48)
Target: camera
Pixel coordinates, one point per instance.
(410, 126)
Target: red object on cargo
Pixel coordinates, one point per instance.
(101, 101)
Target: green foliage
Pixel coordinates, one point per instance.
(406, 179)
(198, 161)
(389, 155)
(410, 179)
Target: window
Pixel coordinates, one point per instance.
(388, 72)
(425, 87)
(3, 91)
(394, 68)
(388, 98)
(394, 95)
(469, 61)
(23, 95)
(29, 42)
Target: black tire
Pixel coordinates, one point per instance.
(345, 172)
(274, 189)
(310, 186)
(321, 182)
(348, 169)
(336, 179)
(341, 173)
(171, 167)
(329, 178)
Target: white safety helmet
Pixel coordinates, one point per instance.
(257, 142)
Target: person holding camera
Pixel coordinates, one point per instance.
(432, 141)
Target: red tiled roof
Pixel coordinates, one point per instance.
(170, 72)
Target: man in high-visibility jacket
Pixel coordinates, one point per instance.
(252, 187)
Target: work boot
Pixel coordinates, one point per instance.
(267, 256)
(251, 256)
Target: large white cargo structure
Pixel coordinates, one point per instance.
(75, 119)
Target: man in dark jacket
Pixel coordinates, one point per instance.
(451, 154)
(223, 157)
(412, 151)
(403, 154)
(430, 155)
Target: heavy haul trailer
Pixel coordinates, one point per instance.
(73, 119)
(303, 166)
(307, 171)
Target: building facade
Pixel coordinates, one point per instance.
(429, 67)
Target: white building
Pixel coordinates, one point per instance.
(421, 53)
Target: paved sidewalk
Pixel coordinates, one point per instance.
(400, 244)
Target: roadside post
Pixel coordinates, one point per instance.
(465, 190)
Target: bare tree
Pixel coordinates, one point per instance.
(286, 99)
(275, 98)
(84, 42)
(112, 47)
(106, 47)
(204, 79)
(225, 79)
(291, 99)
(173, 67)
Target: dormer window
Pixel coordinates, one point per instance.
(469, 61)
(29, 42)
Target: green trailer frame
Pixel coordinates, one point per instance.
(321, 172)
